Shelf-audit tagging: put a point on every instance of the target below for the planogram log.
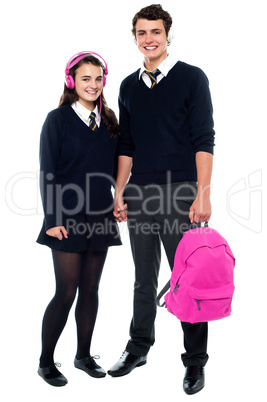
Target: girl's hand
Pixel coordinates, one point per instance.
(121, 214)
(120, 210)
(57, 231)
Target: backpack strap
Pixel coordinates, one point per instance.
(162, 292)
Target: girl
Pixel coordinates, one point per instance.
(77, 154)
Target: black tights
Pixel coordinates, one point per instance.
(73, 271)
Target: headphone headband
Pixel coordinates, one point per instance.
(74, 60)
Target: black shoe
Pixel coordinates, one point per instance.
(194, 379)
(90, 367)
(126, 364)
(52, 376)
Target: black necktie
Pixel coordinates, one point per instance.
(92, 124)
(153, 77)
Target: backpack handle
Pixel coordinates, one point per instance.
(196, 225)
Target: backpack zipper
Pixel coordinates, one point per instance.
(175, 288)
(198, 304)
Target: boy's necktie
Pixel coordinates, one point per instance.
(92, 124)
(153, 77)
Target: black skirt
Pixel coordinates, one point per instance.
(96, 231)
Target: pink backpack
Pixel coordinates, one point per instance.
(201, 284)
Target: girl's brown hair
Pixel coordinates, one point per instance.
(70, 96)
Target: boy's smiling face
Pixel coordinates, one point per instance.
(152, 40)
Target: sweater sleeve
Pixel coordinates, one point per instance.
(50, 142)
(125, 142)
(200, 114)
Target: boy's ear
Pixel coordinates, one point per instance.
(170, 36)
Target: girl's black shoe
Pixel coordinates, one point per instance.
(90, 367)
(52, 375)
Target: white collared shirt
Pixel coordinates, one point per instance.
(165, 66)
(84, 113)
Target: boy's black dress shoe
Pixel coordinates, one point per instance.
(52, 376)
(194, 379)
(126, 364)
(90, 367)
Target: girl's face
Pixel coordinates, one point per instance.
(152, 40)
(88, 84)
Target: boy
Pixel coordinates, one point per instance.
(167, 146)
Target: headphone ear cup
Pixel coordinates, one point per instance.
(69, 82)
(104, 81)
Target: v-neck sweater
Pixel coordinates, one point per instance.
(76, 166)
(164, 127)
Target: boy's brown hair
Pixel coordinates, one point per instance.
(153, 12)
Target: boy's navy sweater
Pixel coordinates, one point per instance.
(76, 166)
(163, 128)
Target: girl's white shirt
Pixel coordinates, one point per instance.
(84, 113)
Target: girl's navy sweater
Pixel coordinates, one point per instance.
(76, 166)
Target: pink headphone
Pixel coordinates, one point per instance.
(74, 60)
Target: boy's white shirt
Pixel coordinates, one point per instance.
(165, 66)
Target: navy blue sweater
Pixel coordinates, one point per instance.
(75, 166)
(163, 128)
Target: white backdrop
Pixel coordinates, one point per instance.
(227, 40)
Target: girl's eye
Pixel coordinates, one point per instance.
(99, 79)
